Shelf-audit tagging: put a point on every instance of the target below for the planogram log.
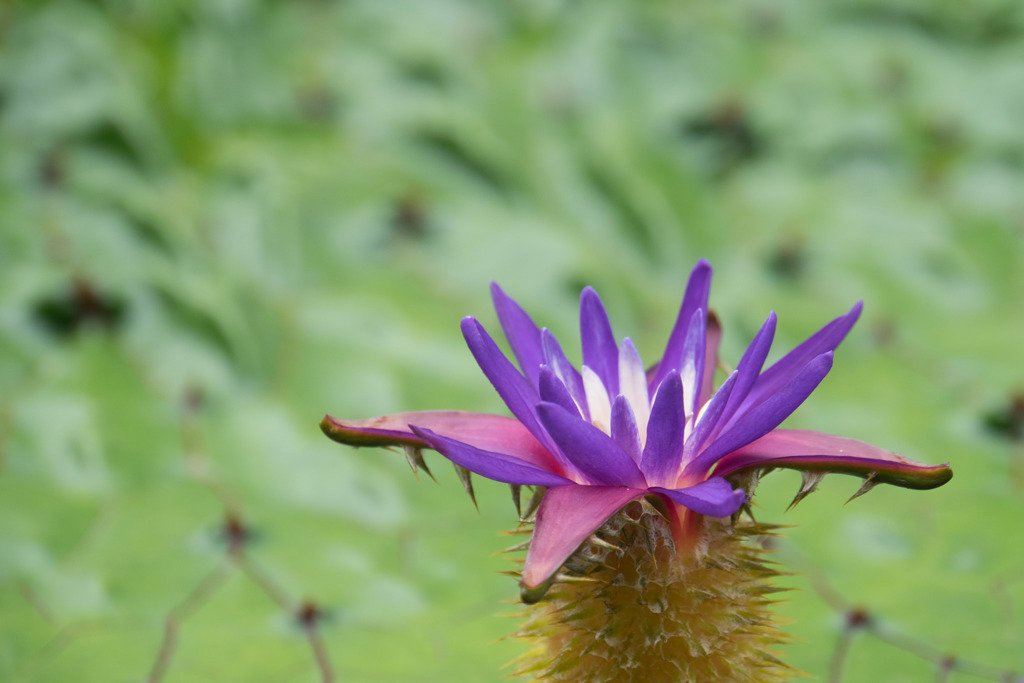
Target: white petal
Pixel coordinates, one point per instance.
(633, 385)
(597, 400)
(689, 377)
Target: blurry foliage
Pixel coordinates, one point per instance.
(219, 220)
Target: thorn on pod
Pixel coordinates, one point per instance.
(414, 456)
(465, 476)
(807, 487)
(869, 483)
(516, 498)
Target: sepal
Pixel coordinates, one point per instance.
(810, 451)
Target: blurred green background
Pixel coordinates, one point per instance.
(221, 219)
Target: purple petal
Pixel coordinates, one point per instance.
(624, 428)
(512, 387)
(567, 516)
(498, 433)
(553, 391)
(521, 332)
(496, 466)
(714, 497)
(565, 370)
(768, 415)
(600, 352)
(709, 419)
(588, 448)
(815, 451)
(696, 296)
(665, 433)
(749, 368)
(824, 340)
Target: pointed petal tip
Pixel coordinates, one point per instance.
(335, 430)
(590, 297)
(498, 294)
(713, 319)
(386, 430)
(532, 594)
(671, 375)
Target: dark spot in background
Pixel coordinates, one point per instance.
(425, 72)
(1008, 421)
(409, 219)
(79, 306)
(193, 399)
(893, 77)
(940, 143)
(728, 130)
(765, 21)
(317, 104)
(52, 169)
(883, 332)
(858, 617)
(788, 260)
(309, 614)
(113, 140)
(235, 533)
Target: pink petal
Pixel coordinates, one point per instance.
(815, 451)
(567, 516)
(496, 433)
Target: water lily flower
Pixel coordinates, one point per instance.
(598, 437)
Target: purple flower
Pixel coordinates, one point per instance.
(611, 432)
